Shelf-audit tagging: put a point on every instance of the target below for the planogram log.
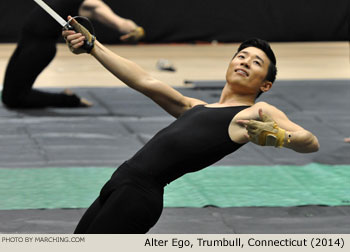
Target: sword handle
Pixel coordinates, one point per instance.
(68, 27)
(89, 38)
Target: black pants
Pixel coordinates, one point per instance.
(128, 204)
(35, 50)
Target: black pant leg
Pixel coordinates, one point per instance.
(30, 57)
(35, 50)
(128, 210)
(88, 217)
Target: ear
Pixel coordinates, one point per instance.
(266, 86)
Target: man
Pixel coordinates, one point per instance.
(37, 47)
(132, 200)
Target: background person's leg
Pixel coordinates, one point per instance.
(35, 50)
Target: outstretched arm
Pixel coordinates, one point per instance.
(273, 128)
(98, 10)
(134, 76)
(137, 78)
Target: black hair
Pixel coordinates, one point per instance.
(265, 47)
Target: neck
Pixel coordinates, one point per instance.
(229, 96)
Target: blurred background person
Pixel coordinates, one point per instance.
(36, 48)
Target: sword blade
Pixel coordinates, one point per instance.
(51, 12)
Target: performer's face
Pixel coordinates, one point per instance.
(248, 69)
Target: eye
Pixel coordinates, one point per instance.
(257, 62)
(241, 56)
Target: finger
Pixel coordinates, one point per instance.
(248, 122)
(75, 36)
(77, 40)
(250, 134)
(242, 122)
(71, 20)
(264, 117)
(251, 127)
(253, 133)
(261, 115)
(76, 46)
(246, 136)
(66, 33)
(255, 124)
(77, 43)
(125, 37)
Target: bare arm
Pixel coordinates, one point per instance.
(295, 137)
(98, 10)
(135, 77)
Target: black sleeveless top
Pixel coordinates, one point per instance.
(197, 139)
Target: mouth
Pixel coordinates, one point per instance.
(242, 72)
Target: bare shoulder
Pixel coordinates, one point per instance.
(265, 106)
(252, 112)
(268, 109)
(277, 115)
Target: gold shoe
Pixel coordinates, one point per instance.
(134, 36)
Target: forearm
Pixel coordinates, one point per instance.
(130, 73)
(98, 10)
(275, 129)
(125, 70)
(301, 141)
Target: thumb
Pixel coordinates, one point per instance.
(71, 20)
(264, 117)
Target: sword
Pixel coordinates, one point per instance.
(89, 39)
(54, 14)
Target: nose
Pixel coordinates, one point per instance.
(245, 63)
